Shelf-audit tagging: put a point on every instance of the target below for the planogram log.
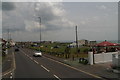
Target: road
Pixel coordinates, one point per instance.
(27, 66)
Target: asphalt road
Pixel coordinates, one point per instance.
(27, 66)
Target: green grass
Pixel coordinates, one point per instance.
(60, 52)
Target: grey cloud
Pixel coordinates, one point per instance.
(12, 22)
(5, 30)
(49, 18)
(89, 19)
(7, 6)
(46, 14)
(26, 14)
(50, 27)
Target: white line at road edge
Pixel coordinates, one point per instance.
(75, 68)
(11, 75)
(7, 73)
(56, 77)
(14, 65)
(45, 68)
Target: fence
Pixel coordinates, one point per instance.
(100, 58)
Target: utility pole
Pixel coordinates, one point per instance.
(76, 40)
(8, 40)
(40, 28)
(8, 35)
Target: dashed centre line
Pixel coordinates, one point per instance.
(41, 66)
(45, 68)
(31, 58)
(36, 62)
(56, 77)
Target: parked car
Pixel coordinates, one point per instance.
(37, 54)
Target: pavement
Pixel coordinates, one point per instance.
(98, 69)
(7, 63)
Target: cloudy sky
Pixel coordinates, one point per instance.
(95, 20)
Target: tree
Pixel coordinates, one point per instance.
(67, 52)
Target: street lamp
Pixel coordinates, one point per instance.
(76, 40)
(40, 28)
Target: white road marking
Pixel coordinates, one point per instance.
(7, 73)
(57, 77)
(36, 62)
(10, 76)
(75, 68)
(24, 53)
(45, 68)
(14, 63)
(31, 58)
(14, 67)
(10, 73)
(8, 60)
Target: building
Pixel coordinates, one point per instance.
(2, 41)
(83, 42)
(47, 42)
(73, 44)
(92, 43)
(12, 43)
(80, 43)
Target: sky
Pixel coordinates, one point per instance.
(95, 20)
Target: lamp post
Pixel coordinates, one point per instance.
(76, 40)
(40, 28)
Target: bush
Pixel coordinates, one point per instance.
(85, 50)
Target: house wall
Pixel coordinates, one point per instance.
(92, 43)
(83, 42)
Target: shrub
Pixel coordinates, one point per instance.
(85, 50)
